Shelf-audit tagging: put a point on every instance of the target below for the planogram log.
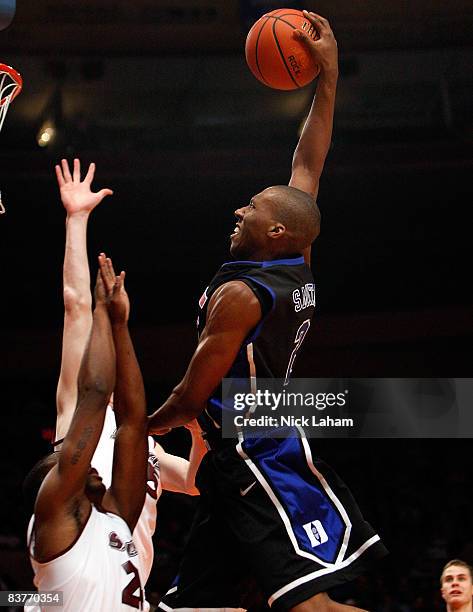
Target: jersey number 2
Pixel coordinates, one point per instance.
(128, 594)
(298, 340)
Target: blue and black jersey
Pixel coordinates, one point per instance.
(285, 289)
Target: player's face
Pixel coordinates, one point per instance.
(457, 586)
(94, 487)
(250, 236)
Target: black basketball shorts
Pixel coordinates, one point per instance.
(268, 510)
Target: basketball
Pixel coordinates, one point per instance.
(276, 58)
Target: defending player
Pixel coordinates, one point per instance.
(80, 536)
(267, 507)
(164, 470)
(456, 583)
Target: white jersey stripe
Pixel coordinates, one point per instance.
(282, 513)
(322, 572)
(331, 494)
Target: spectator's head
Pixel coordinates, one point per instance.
(456, 585)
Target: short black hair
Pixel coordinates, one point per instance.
(299, 213)
(35, 477)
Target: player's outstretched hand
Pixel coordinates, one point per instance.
(117, 298)
(100, 293)
(76, 195)
(324, 48)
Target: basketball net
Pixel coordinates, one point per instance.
(10, 86)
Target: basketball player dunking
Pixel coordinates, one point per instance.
(80, 536)
(267, 508)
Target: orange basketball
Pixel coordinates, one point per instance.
(274, 56)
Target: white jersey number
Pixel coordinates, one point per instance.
(299, 339)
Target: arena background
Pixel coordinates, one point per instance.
(157, 93)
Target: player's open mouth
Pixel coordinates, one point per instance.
(235, 231)
(455, 592)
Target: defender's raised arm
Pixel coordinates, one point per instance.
(130, 460)
(67, 479)
(79, 201)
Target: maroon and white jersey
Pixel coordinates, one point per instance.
(102, 461)
(98, 572)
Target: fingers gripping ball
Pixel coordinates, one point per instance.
(275, 56)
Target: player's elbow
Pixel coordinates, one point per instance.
(76, 302)
(133, 429)
(95, 389)
(191, 489)
(184, 401)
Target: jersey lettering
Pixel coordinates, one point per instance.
(115, 542)
(303, 297)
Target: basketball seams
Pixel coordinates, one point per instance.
(256, 49)
(276, 19)
(286, 15)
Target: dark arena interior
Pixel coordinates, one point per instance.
(157, 93)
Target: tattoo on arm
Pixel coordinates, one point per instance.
(81, 444)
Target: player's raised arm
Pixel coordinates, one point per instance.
(130, 460)
(233, 312)
(65, 483)
(314, 143)
(79, 201)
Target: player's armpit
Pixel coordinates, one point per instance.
(233, 312)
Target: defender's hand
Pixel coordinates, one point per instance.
(100, 293)
(324, 48)
(117, 298)
(76, 195)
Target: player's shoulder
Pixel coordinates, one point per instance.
(235, 303)
(232, 290)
